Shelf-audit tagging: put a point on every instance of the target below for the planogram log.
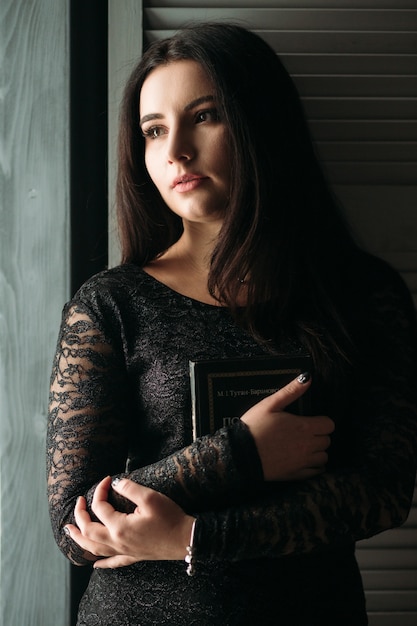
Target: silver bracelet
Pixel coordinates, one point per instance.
(189, 556)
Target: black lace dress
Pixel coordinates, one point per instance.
(279, 553)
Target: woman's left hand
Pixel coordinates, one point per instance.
(158, 529)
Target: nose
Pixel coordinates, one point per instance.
(180, 146)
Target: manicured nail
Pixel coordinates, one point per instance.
(304, 378)
(115, 481)
(67, 531)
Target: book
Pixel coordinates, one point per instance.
(223, 390)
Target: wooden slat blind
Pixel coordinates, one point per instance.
(355, 69)
(355, 65)
(388, 564)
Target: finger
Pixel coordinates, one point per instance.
(322, 443)
(322, 426)
(82, 516)
(80, 505)
(101, 492)
(93, 531)
(115, 561)
(297, 387)
(100, 504)
(319, 459)
(96, 548)
(132, 491)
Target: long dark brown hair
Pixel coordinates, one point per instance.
(282, 228)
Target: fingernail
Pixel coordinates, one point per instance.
(115, 481)
(304, 377)
(67, 531)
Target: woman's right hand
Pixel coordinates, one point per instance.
(291, 447)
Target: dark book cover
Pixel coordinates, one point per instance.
(223, 390)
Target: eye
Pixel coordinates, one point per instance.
(208, 115)
(153, 132)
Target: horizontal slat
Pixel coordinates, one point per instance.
(340, 42)
(390, 539)
(363, 86)
(374, 236)
(389, 579)
(384, 218)
(385, 232)
(384, 173)
(287, 19)
(364, 130)
(299, 4)
(367, 151)
(285, 42)
(381, 200)
(392, 600)
(400, 618)
(359, 64)
(360, 108)
(387, 559)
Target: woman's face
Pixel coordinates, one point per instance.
(186, 144)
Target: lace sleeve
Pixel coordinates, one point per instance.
(371, 493)
(88, 430)
(213, 471)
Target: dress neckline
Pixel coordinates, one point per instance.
(181, 295)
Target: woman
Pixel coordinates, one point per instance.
(232, 246)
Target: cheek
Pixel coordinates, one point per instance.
(224, 166)
(223, 152)
(150, 166)
(156, 173)
(148, 162)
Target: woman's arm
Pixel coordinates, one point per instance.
(87, 422)
(373, 490)
(88, 438)
(370, 494)
(335, 508)
(88, 430)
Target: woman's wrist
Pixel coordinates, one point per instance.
(176, 546)
(189, 557)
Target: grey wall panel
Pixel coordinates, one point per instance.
(34, 219)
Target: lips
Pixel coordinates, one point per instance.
(187, 182)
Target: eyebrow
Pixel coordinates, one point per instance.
(198, 101)
(191, 105)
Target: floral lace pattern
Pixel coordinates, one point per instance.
(120, 405)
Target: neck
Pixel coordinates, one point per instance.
(185, 266)
(195, 247)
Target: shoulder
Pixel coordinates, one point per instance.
(117, 288)
(109, 296)
(125, 295)
(111, 282)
